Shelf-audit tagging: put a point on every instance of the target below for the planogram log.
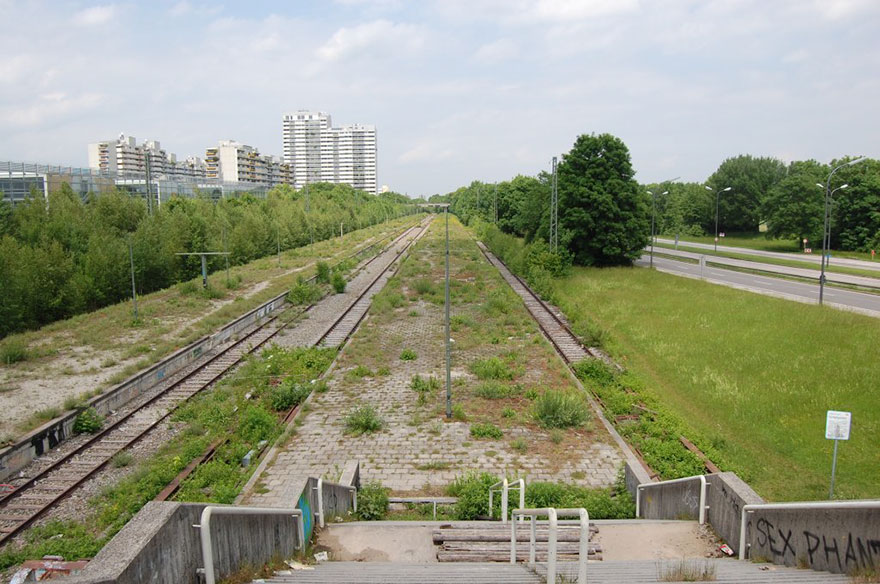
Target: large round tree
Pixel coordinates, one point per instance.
(603, 219)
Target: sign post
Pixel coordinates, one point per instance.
(836, 428)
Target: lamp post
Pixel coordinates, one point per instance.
(717, 196)
(826, 225)
(653, 207)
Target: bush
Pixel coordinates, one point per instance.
(557, 409)
(89, 421)
(492, 368)
(481, 430)
(363, 420)
(303, 293)
(423, 286)
(338, 283)
(287, 394)
(372, 502)
(322, 272)
(595, 370)
(472, 491)
(424, 384)
(408, 355)
(496, 390)
(13, 350)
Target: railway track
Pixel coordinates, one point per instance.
(566, 343)
(59, 479)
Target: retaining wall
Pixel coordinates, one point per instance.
(836, 540)
(14, 458)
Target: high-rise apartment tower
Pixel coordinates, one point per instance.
(318, 152)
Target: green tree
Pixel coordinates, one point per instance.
(750, 180)
(794, 207)
(603, 216)
(856, 209)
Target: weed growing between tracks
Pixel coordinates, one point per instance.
(239, 408)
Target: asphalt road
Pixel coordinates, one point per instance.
(809, 293)
(803, 257)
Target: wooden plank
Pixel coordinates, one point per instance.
(710, 466)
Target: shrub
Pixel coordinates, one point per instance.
(372, 502)
(423, 286)
(424, 384)
(557, 409)
(519, 444)
(303, 293)
(13, 350)
(496, 390)
(121, 459)
(508, 412)
(595, 370)
(322, 272)
(363, 419)
(338, 282)
(408, 355)
(287, 394)
(485, 430)
(458, 413)
(492, 368)
(472, 491)
(89, 421)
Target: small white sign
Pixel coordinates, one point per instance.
(837, 425)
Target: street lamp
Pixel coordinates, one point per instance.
(717, 196)
(826, 226)
(653, 206)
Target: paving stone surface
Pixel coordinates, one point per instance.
(417, 450)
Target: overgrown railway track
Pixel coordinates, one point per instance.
(564, 340)
(48, 487)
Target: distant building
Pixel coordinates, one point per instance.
(318, 152)
(124, 157)
(232, 161)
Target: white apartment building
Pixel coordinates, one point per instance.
(124, 157)
(318, 152)
(232, 161)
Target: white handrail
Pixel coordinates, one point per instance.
(320, 489)
(552, 515)
(505, 495)
(205, 530)
(703, 484)
(872, 504)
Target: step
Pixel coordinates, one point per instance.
(382, 573)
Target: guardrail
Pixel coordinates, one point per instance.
(320, 488)
(204, 526)
(702, 503)
(504, 487)
(552, 515)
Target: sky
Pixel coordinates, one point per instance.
(459, 90)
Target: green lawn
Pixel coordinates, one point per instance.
(760, 242)
(750, 376)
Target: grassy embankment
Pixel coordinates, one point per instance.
(760, 242)
(168, 319)
(750, 377)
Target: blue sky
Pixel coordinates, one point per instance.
(459, 90)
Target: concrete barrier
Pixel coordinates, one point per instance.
(160, 545)
(839, 538)
(14, 458)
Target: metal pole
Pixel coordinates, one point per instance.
(826, 229)
(226, 254)
(448, 348)
(717, 197)
(204, 270)
(149, 181)
(833, 470)
(133, 290)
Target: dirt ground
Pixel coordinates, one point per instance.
(620, 540)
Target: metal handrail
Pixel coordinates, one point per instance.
(205, 530)
(552, 515)
(505, 496)
(703, 484)
(872, 504)
(320, 489)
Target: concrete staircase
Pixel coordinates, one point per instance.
(490, 542)
(632, 572)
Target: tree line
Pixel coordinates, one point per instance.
(62, 255)
(605, 215)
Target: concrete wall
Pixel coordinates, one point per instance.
(15, 457)
(634, 474)
(836, 540)
(726, 495)
(160, 545)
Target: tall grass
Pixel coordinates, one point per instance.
(750, 376)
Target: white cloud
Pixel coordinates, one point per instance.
(842, 9)
(575, 10)
(496, 52)
(380, 36)
(95, 16)
(49, 107)
(181, 8)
